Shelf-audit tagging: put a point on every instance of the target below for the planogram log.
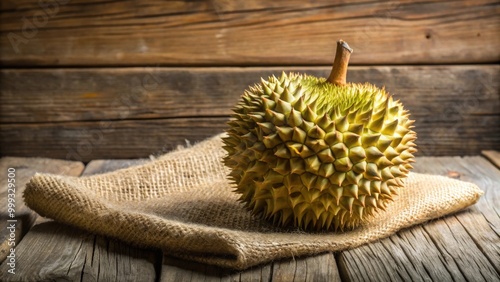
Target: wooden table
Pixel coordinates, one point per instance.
(461, 247)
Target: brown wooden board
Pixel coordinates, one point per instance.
(464, 246)
(84, 141)
(54, 251)
(23, 169)
(95, 94)
(221, 32)
(84, 114)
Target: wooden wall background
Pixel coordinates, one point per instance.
(97, 79)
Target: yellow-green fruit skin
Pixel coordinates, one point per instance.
(309, 154)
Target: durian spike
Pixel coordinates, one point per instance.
(339, 69)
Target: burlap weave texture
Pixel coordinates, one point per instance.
(183, 203)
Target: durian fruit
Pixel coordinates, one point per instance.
(318, 154)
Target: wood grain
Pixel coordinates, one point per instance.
(482, 222)
(40, 255)
(464, 246)
(221, 32)
(178, 270)
(321, 267)
(314, 268)
(401, 257)
(111, 260)
(81, 94)
(54, 251)
(86, 114)
(84, 141)
(25, 168)
(492, 156)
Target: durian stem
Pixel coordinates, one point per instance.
(339, 69)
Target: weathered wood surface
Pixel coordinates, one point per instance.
(314, 268)
(64, 95)
(24, 169)
(221, 32)
(492, 156)
(83, 141)
(461, 247)
(178, 270)
(56, 252)
(84, 114)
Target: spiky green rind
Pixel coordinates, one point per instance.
(306, 153)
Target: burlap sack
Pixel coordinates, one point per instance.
(184, 204)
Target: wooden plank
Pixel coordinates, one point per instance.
(398, 258)
(492, 156)
(482, 221)
(178, 270)
(314, 268)
(464, 246)
(54, 251)
(40, 257)
(322, 267)
(258, 273)
(85, 114)
(24, 169)
(84, 141)
(445, 93)
(110, 260)
(220, 32)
